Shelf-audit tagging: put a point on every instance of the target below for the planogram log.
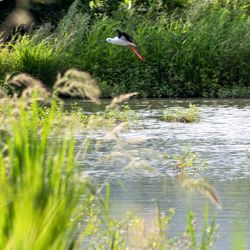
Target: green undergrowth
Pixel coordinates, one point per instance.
(201, 50)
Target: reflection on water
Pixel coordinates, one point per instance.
(221, 138)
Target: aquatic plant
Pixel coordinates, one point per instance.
(185, 160)
(188, 115)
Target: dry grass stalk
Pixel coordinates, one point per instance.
(76, 83)
(18, 18)
(120, 155)
(95, 122)
(30, 87)
(203, 187)
(2, 94)
(12, 102)
(121, 98)
(24, 81)
(137, 140)
(45, 1)
(113, 134)
(42, 93)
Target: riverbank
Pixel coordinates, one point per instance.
(196, 50)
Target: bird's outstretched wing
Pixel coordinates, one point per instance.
(125, 35)
(119, 33)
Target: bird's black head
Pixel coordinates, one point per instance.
(118, 31)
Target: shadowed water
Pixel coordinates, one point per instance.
(142, 177)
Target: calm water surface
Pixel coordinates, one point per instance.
(141, 176)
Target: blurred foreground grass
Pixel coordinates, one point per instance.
(47, 201)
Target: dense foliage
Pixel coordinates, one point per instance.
(192, 48)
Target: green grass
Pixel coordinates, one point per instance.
(209, 232)
(40, 189)
(202, 50)
(27, 55)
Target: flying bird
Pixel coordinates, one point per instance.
(125, 39)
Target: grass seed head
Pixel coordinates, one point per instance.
(76, 83)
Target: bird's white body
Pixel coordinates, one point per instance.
(120, 41)
(125, 39)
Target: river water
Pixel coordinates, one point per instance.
(134, 162)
